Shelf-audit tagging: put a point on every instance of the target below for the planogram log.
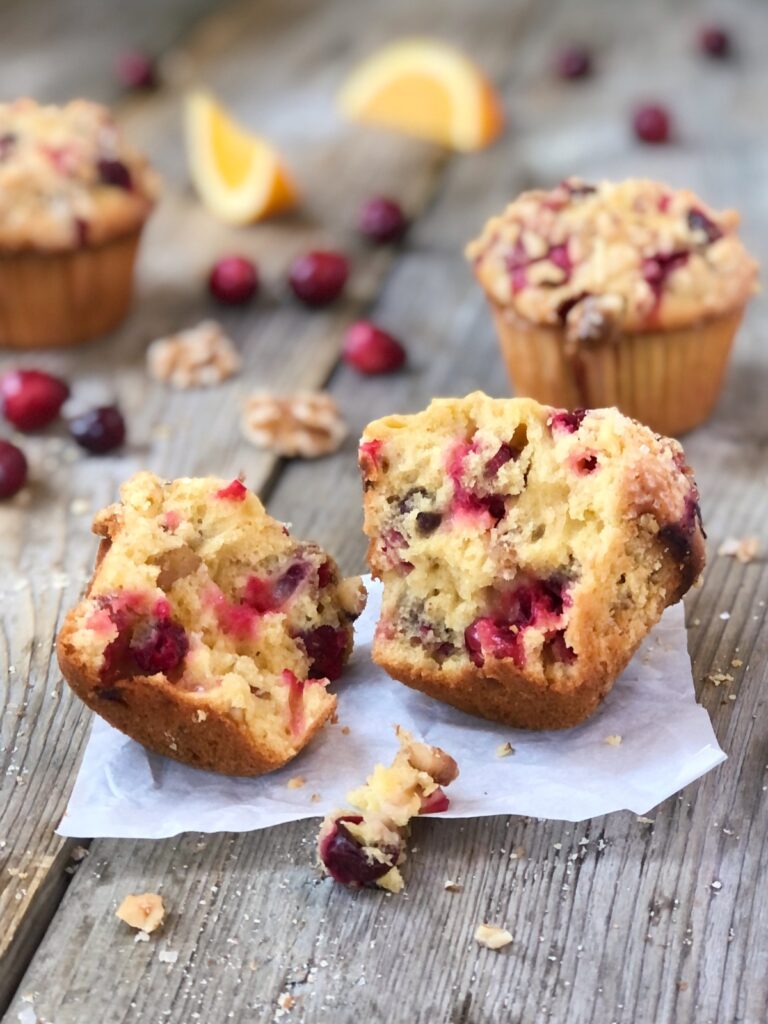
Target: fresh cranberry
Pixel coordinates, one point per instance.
(326, 648)
(115, 172)
(699, 222)
(382, 220)
(236, 491)
(567, 421)
(539, 603)
(233, 280)
(326, 574)
(573, 62)
(368, 455)
(13, 469)
(269, 595)
(136, 70)
(318, 277)
(371, 350)
(32, 399)
(714, 41)
(159, 646)
(497, 639)
(345, 859)
(99, 430)
(652, 123)
(435, 803)
(558, 255)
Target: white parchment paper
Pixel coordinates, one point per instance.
(666, 742)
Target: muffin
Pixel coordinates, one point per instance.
(624, 294)
(73, 200)
(365, 846)
(525, 551)
(208, 633)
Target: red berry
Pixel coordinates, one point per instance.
(13, 469)
(233, 280)
(382, 220)
(115, 173)
(159, 646)
(99, 430)
(32, 399)
(136, 70)
(371, 350)
(652, 123)
(714, 41)
(317, 278)
(573, 62)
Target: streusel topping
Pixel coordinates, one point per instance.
(634, 255)
(67, 177)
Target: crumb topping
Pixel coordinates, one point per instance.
(67, 177)
(593, 259)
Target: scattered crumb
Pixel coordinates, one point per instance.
(518, 853)
(492, 937)
(286, 1001)
(79, 506)
(296, 782)
(145, 911)
(682, 986)
(78, 853)
(141, 937)
(504, 750)
(315, 798)
(161, 431)
(736, 663)
(744, 550)
(27, 1015)
(557, 846)
(646, 821)
(731, 696)
(725, 616)
(450, 886)
(718, 678)
(167, 956)
(613, 740)
(345, 730)
(716, 885)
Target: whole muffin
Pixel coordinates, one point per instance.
(525, 551)
(625, 294)
(74, 197)
(208, 633)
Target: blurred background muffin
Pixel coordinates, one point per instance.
(623, 294)
(73, 201)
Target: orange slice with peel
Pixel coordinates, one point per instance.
(424, 87)
(240, 177)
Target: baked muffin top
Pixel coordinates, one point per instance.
(633, 255)
(67, 177)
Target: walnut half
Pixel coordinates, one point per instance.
(307, 424)
(196, 358)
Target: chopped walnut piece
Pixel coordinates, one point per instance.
(450, 886)
(296, 782)
(432, 760)
(196, 358)
(504, 749)
(307, 424)
(613, 741)
(744, 550)
(286, 1001)
(492, 937)
(144, 911)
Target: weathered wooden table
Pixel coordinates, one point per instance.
(615, 919)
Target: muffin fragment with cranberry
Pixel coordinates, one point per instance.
(525, 551)
(366, 845)
(208, 633)
(620, 293)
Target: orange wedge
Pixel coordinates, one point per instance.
(239, 177)
(425, 88)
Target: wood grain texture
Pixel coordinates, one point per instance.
(613, 920)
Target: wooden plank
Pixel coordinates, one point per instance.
(625, 926)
